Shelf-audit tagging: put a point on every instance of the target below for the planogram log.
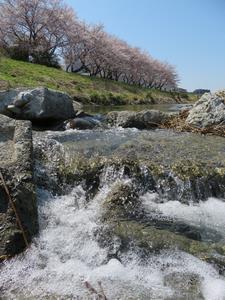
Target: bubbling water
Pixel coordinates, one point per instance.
(66, 254)
(205, 215)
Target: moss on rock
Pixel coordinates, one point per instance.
(154, 240)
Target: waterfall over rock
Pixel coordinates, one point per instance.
(122, 214)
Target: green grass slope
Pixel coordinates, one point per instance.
(82, 88)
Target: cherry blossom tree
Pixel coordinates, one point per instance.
(35, 27)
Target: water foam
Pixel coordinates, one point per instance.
(66, 254)
(205, 214)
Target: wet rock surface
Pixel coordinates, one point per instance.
(141, 120)
(127, 221)
(150, 240)
(122, 202)
(83, 121)
(187, 167)
(187, 287)
(16, 167)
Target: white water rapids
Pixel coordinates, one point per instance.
(66, 254)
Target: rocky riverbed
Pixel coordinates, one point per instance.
(139, 209)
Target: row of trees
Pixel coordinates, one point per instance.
(47, 30)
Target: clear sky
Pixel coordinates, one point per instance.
(189, 34)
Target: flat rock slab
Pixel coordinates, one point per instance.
(183, 166)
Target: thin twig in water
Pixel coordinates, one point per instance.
(15, 210)
(100, 295)
(102, 291)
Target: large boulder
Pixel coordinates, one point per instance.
(208, 111)
(142, 120)
(40, 104)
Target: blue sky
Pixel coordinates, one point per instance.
(189, 34)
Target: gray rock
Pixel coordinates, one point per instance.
(16, 165)
(37, 104)
(80, 123)
(142, 120)
(186, 286)
(121, 202)
(7, 98)
(209, 110)
(6, 123)
(7, 128)
(84, 121)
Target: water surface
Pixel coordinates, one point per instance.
(103, 109)
(67, 252)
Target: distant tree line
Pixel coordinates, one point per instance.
(46, 30)
(201, 91)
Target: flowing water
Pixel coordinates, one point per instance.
(100, 109)
(67, 253)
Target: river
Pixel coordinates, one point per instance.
(103, 109)
(73, 252)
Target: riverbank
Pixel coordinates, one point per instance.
(85, 89)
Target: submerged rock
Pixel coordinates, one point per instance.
(40, 104)
(142, 120)
(121, 202)
(149, 239)
(127, 223)
(208, 111)
(186, 286)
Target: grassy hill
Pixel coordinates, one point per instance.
(82, 88)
